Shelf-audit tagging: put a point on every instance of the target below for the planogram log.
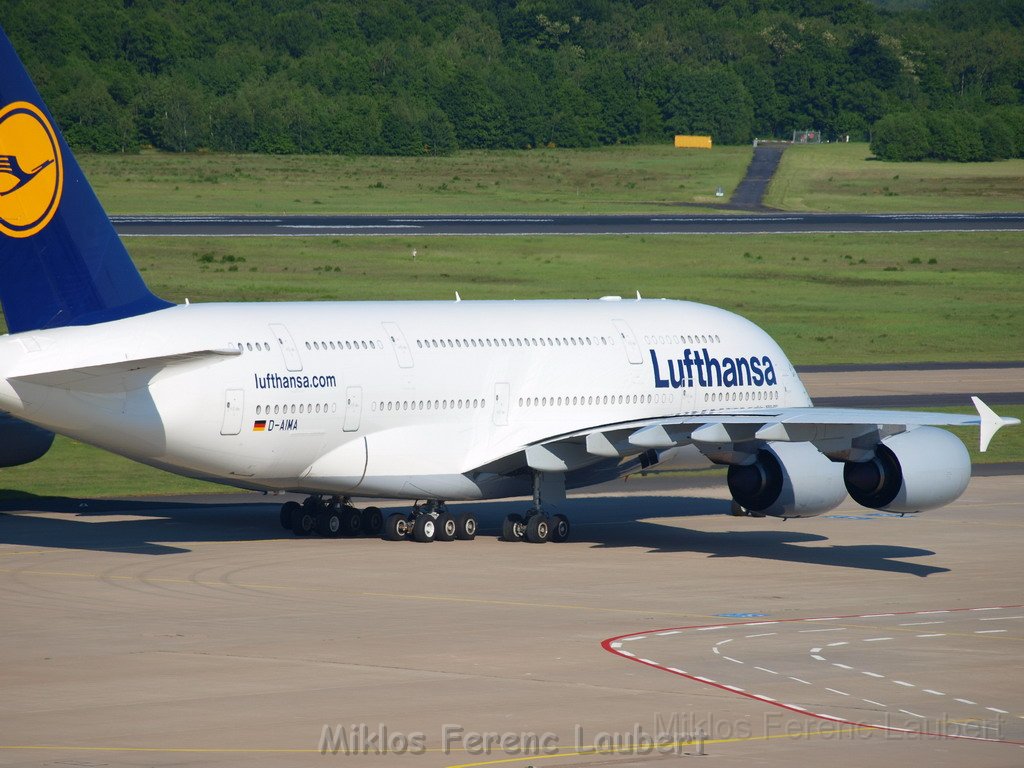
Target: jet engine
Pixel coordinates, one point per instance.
(914, 471)
(787, 480)
(21, 442)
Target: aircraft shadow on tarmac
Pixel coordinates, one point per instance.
(159, 527)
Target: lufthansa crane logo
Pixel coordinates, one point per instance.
(31, 170)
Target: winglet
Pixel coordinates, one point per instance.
(991, 422)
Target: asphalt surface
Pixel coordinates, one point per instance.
(750, 191)
(600, 224)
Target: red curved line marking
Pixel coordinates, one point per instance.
(607, 645)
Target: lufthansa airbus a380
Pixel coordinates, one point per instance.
(431, 401)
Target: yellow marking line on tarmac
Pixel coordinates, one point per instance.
(397, 595)
(592, 750)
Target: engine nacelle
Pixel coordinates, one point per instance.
(914, 471)
(21, 442)
(787, 480)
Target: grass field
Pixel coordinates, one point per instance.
(825, 298)
(638, 178)
(845, 177)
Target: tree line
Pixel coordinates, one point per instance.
(417, 76)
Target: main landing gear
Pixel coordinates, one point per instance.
(331, 517)
(430, 522)
(537, 526)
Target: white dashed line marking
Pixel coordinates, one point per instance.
(760, 623)
(904, 684)
(734, 661)
(830, 629)
(912, 714)
(676, 670)
(627, 653)
(841, 666)
(842, 642)
(876, 703)
(705, 679)
(734, 688)
(826, 618)
(833, 690)
(769, 671)
(939, 634)
(815, 650)
(816, 656)
(876, 639)
(708, 629)
(996, 709)
(921, 623)
(723, 642)
(805, 682)
(764, 634)
(1002, 618)
(797, 707)
(873, 674)
(988, 631)
(966, 701)
(616, 645)
(648, 661)
(631, 639)
(928, 613)
(933, 693)
(875, 615)
(670, 632)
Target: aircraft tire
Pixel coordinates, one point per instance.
(351, 522)
(328, 524)
(512, 528)
(396, 527)
(286, 513)
(424, 529)
(560, 529)
(303, 521)
(446, 528)
(466, 526)
(538, 528)
(373, 521)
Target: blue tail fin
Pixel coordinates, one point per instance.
(61, 262)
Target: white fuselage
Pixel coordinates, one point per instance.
(391, 399)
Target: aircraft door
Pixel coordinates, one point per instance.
(501, 398)
(629, 342)
(353, 408)
(398, 343)
(233, 401)
(289, 351)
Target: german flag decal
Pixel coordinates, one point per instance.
(259, 426)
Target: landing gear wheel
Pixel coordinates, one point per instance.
(465, 526)
(286, 513)
(396, 527)
(328, 524)
(373, 521)
(303, 521)
(446, 528)
(351, 522)
(513, 528)
(424, 529)
(559, 528)
(537, 529)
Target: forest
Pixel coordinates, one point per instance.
(407, 77)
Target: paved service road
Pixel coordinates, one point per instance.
(620, 224)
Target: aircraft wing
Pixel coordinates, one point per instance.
(850, 433)
(118, 373)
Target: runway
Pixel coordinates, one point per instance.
(668, 223)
